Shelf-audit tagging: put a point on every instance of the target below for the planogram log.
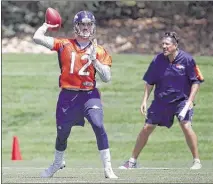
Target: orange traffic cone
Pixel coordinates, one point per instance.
(16, 154)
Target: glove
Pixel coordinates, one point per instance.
(91, 51)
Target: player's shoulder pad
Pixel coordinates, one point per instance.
(63, 40)
(101, 50)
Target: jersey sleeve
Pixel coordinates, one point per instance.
(58, 43)
(193, 72)
(150, 74)
(103, 56)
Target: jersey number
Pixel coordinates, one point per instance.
(83, 71)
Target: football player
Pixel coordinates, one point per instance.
(79, 60)
(176, 78)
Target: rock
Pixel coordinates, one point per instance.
(120, 39)
(124, 47)
(141, 35)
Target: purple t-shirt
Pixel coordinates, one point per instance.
(173, 81)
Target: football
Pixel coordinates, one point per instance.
(53, 17)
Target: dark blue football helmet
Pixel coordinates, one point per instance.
(84, 24)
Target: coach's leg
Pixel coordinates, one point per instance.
(191, 140)
(190, 137)
(142, 139)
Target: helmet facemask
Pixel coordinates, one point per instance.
(85, 29)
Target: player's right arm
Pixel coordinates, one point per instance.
(40, 38)
(150, 80)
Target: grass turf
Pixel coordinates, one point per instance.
(29, 95)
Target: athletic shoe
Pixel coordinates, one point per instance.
(196, 165)
(128, 165)
(108, 172)
(52, 169)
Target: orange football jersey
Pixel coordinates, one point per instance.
(77, 70)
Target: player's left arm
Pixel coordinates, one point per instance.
(195, 77)
(103, 70)
(102, 63)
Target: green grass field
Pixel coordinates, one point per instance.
(29, 96)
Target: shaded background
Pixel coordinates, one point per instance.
(122, 26)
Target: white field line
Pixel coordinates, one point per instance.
(141, 168)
